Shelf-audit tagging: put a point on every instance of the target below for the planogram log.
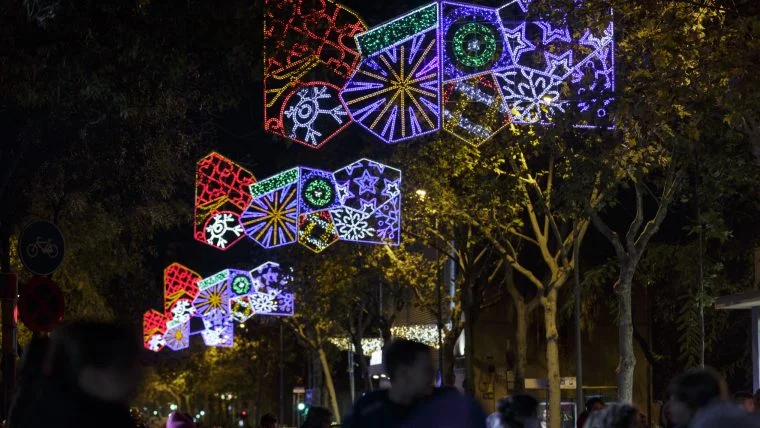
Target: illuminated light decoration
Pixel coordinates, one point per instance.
(180, 285)
(531, 96)
(177, 338)
(241, 283)
(223, 298)
(398, 30)
(473, 41)
(223, 229)
(221, 194)
(271, 219)
(423, 333)
(317, 191)
(371, 203)
(275, 182)
(554, 74)
(241, 309)
(154, 327)
(316, 231)
(395, 93)
(213, 300)
(305, 38)
(369, 345)
(218, 332)
(313, 114)
(473, 109)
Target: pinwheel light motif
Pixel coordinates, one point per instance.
(214, 300)
(178, 338)
(271, 219)
(395, 93)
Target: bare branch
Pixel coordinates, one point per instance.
(638, 220)
(668, 193)
(608, 233)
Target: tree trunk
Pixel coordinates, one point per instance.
(521, 340)
(552, 358)
(449, 377)
(330, 385)
(363, 366)
(625, 336)
(469, 353)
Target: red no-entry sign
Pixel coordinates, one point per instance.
(40, 304)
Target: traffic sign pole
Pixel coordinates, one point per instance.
(8, 301)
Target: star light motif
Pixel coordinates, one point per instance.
(517, 42)
(553, 33)
(343, 192)
(366, 183)
(559, 65)
(391, 188)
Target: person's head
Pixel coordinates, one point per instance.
(693, 391)
(268, 421)
(519, 410)
(410, 367)
(317, 417)
(98, 358)
(179, 420)
(725, 416)
(745, 400)
(615, 416)
(594, 404)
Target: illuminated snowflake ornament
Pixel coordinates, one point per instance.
(314, 114)
(265, 303)
(178, 337)
(223, 229)
(183, 310)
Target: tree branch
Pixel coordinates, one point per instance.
(638, 220)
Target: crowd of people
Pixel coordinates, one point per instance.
(86, 374)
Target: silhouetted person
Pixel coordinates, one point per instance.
(89, 375)
(615, 416)
(723, 416)
(518, 411)
(594, 404)
(28, 388)
(268, 421)
(746, 401)
(317, 417)
(694, 391)
(410, 367)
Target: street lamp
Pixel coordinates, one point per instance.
(421, 193)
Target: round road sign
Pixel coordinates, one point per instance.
(40, 304)
(40, 247)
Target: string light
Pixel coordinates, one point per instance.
(398, 30)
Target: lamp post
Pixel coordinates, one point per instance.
(422, 194)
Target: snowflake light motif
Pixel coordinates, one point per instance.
(222, 229)
(265, 303)
(532, 96)
(183, 310)
(156, 343)
(352, 225)
(316, 115)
